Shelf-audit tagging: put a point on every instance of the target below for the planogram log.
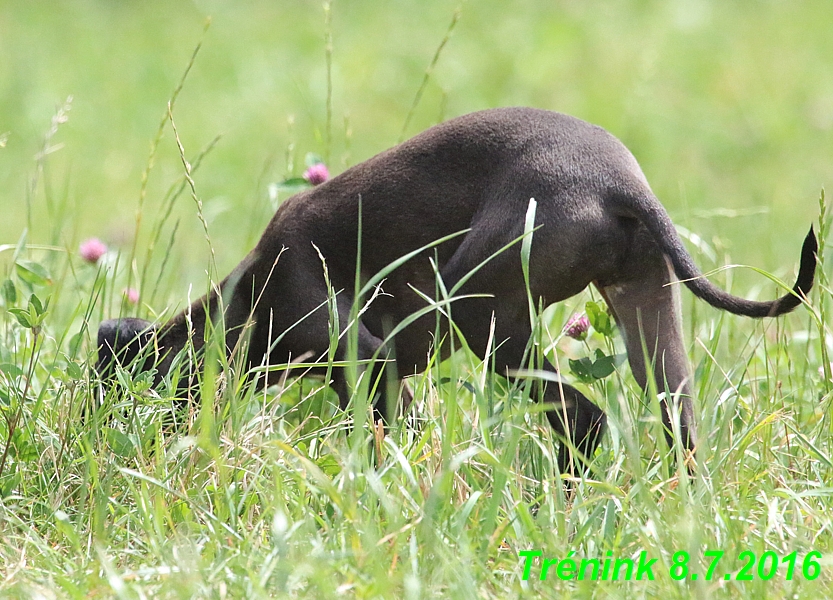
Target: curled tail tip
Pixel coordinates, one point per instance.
(807, 267)
(810, 242)
(805, 279)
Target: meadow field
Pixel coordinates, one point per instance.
(166, 130)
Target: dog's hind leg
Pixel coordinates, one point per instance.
(646, 306)
(573, 417)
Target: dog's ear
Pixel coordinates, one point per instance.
(122, 341)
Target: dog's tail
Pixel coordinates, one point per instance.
(647, 209)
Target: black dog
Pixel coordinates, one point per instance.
(597, 221)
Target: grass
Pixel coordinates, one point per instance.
(263, 492)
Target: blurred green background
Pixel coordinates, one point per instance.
(728, 106)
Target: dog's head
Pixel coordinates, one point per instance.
(122, 341)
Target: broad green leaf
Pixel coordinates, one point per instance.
(35, 302)
(599, 318)
(9, 291)
(9, 483)
(293, 182)
(120, 443)
(581, 368)
(32, 273)
(329, 465)
(73, 370)
(602, 367)
(23, 317)
(10, 370)
(75, 344)
(22, 448)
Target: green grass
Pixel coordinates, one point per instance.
(264, 493)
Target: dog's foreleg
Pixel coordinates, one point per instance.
(646, 307)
